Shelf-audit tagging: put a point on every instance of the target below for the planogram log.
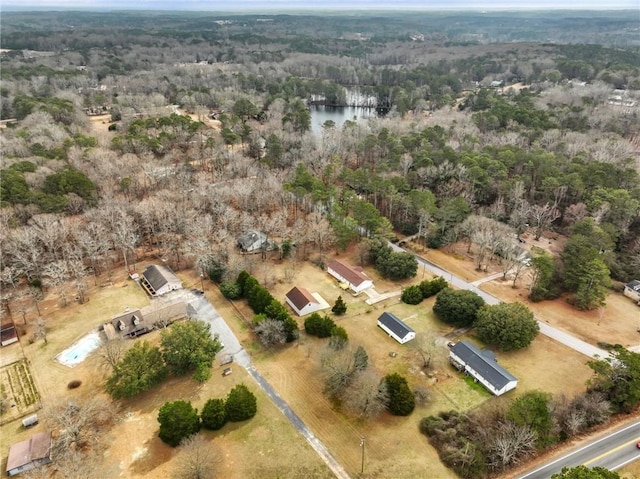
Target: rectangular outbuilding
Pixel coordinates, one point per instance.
(303, 302)
(395, 328)
(26, 455)
(158, 280)
(483, 366)
(354, 278)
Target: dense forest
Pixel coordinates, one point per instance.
(453, 146)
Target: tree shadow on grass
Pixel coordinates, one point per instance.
(150, 455)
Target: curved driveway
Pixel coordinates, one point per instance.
(554, 333)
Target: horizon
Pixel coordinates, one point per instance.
(331, 6)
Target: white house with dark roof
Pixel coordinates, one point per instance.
(352, 277)
(26, 455)
(158, 280)
(483, 366)
(632, 290)
(303, 302)
(395, 328)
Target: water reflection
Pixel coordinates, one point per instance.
(338, 114)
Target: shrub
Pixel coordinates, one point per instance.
(230, 289)
(411, 295)
(178, 420)
(339, 337)
(214, 414)
(340, 307)
(433, 287)
(402, 402)
(459, 308)
(241, 404)
(320, 326)
(74, 384)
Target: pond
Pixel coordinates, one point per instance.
(338, 114)
(78, 351)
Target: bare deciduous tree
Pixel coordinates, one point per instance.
(41, 330)
(510, 444)
(271, 332)
(80, 422)
(338, 367)
(541, 218)
(366, 395)
(197, 459)
(425, 345)
(55, 275)
(112, 351)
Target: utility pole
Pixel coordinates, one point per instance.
(362, 446)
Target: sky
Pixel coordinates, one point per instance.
(280, 5)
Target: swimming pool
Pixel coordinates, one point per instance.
(78, 351)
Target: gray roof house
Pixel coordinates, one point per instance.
(632, 290)
(26, 455)
(483, 366)
(252, 240)
(158, 280)
(395, 328)
(132, 324)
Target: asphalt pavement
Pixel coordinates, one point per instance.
(200, 308)
(611, 451)
(554, 333)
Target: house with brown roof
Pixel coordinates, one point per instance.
(303, 302)
(352, 277)
(26, 455)
(8, 333)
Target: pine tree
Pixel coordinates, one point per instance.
(340, 307)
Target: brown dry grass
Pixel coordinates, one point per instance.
(264, 446)
(294, 371)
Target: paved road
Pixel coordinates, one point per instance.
(201, 308)
(556, 334)
(611, 451)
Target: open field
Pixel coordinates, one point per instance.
(263, 447)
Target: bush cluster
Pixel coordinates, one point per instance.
(427, 288)
(262, 302)
(179, 419)
(470, 443)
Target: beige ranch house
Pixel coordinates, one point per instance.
(352, 277)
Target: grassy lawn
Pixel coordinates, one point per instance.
(264, 447)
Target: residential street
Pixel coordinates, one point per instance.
(556, 334)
